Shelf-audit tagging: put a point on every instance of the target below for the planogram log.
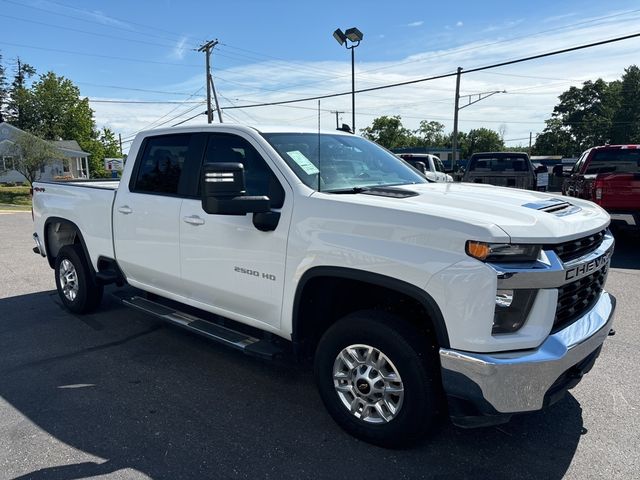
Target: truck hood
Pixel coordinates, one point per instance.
(525, 216)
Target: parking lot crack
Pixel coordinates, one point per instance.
(84, 351)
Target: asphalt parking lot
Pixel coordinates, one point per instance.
(117, 394)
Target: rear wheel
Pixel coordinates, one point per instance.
(76, 285)
(378, 378)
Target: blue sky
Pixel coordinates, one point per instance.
(280, 50)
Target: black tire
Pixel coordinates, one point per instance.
(89, 293)
(414, 357)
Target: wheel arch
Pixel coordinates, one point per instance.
(305, 334)
(70, 235)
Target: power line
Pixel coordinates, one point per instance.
(506, 40)
(190, 118)
(168, 102)
(152, 124)
(448, 75)
(97, 55)
(87, 20)
(117, 87)
(86, 32)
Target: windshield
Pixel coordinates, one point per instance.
(345, 162)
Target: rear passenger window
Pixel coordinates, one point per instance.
(161, 164)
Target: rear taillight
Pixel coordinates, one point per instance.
(598, 186)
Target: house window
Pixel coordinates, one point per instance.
(65, 166)
(7, 163)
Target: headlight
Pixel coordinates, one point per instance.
(502, 252)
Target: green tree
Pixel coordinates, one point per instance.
(32, 154)
(389, 132)
(4, 89)
(625, 127)
(480, 140)
(18, 110)
(61, 112)
(431, 134)
(583, 118)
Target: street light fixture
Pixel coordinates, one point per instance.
(353, 36)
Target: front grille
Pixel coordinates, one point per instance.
(576, 248)
(576, 298)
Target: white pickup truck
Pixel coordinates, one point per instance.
(410, 296)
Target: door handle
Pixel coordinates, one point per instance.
(125, 209)
(193, 220)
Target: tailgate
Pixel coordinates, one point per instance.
(620, 191)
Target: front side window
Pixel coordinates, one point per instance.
(258, 176)
(161, 164)
(339, 162)
(438, 164)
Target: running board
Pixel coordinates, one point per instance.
(238, 340)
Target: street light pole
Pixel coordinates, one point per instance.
(354, 36)
(353, 89)
(454, 139)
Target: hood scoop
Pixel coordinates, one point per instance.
(390, 192)
(556, 206)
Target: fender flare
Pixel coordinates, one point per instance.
(52, 260)
(400, 286)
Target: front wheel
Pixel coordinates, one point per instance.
(378, 378)
(76, 285)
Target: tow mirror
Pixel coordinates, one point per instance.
(223, 191)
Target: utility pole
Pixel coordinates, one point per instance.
(454, 140)
(207, 48)
(120, 139)
(530, 137)
(337, 120)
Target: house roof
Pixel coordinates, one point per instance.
(69, 148)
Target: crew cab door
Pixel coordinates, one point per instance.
(146, 214)
(228, 265)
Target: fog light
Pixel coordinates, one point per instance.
(504, 298)
(512, 309)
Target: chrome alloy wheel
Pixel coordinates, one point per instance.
(368, 383)
(68, 280)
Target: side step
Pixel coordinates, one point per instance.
(238, 340)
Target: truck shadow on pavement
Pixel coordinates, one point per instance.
(153, 399)
(626, 253)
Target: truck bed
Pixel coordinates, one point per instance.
(87, 204)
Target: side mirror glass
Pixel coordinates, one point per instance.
(421, 166)
(223, 191)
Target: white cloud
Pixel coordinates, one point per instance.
(179, 49)
(459, 23)
(415, 24)
(533, 87)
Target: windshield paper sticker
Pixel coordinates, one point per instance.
(304, 163)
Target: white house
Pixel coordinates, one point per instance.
(74, 165)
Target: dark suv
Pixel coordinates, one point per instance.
(504, 169)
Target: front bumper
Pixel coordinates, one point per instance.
(500, 384)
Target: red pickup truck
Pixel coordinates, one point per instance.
(609, 176)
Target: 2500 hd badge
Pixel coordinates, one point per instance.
(255, 273)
